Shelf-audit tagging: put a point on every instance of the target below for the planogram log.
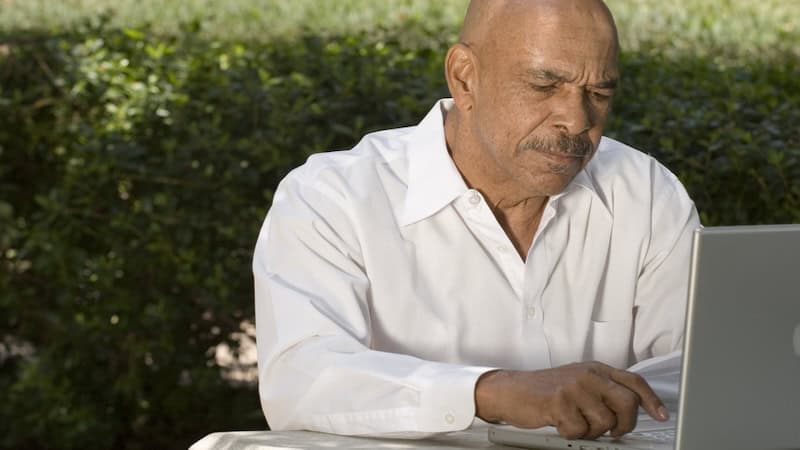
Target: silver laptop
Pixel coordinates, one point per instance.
(740, 382)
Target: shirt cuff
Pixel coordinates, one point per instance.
(447, 402)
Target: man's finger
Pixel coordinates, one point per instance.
(648, 398)
(567, 417)
(573, 426)
(625, 404)
(597, 414)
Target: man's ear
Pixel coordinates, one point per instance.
(460, 72)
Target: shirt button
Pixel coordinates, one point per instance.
(449, 418)
(474, 198)
(531, 312)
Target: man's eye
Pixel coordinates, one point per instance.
(600, 96)
(547, 88)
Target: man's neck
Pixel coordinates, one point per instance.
(518, 214)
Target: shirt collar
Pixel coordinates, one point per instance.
(582, 181)
(585, 183)
(433, 178)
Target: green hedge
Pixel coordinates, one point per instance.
(135, 171)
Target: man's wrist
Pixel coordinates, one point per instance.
(487, 395)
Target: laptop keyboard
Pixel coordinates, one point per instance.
(654, 435)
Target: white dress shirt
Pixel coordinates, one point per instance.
(385, 287)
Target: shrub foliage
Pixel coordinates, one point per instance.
(135, 171)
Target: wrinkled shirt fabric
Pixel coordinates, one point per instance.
(384, 285)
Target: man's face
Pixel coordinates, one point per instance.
(543, 98)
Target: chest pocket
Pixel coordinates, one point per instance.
(609, 342)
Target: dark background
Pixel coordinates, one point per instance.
(136, 167)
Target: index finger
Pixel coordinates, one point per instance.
(650, 401)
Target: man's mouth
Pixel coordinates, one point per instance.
(561, 146)
(561, 154)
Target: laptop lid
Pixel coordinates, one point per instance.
(740, 385)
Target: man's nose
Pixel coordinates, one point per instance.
(573, 113)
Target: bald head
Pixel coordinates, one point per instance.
(491, 20)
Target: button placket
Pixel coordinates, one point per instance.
(484, 226)
(538, 257)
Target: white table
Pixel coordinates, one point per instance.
(474, 437)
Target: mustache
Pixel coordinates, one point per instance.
(564, 144)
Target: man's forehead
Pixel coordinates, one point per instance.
(591, 63)
(608, 79)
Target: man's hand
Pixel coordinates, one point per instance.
(582, 400)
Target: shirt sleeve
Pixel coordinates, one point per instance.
(315, 366)
(663, 284)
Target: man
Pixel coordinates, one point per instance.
(500, 260)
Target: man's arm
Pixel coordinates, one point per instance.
(662, 288)
(316, 368)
